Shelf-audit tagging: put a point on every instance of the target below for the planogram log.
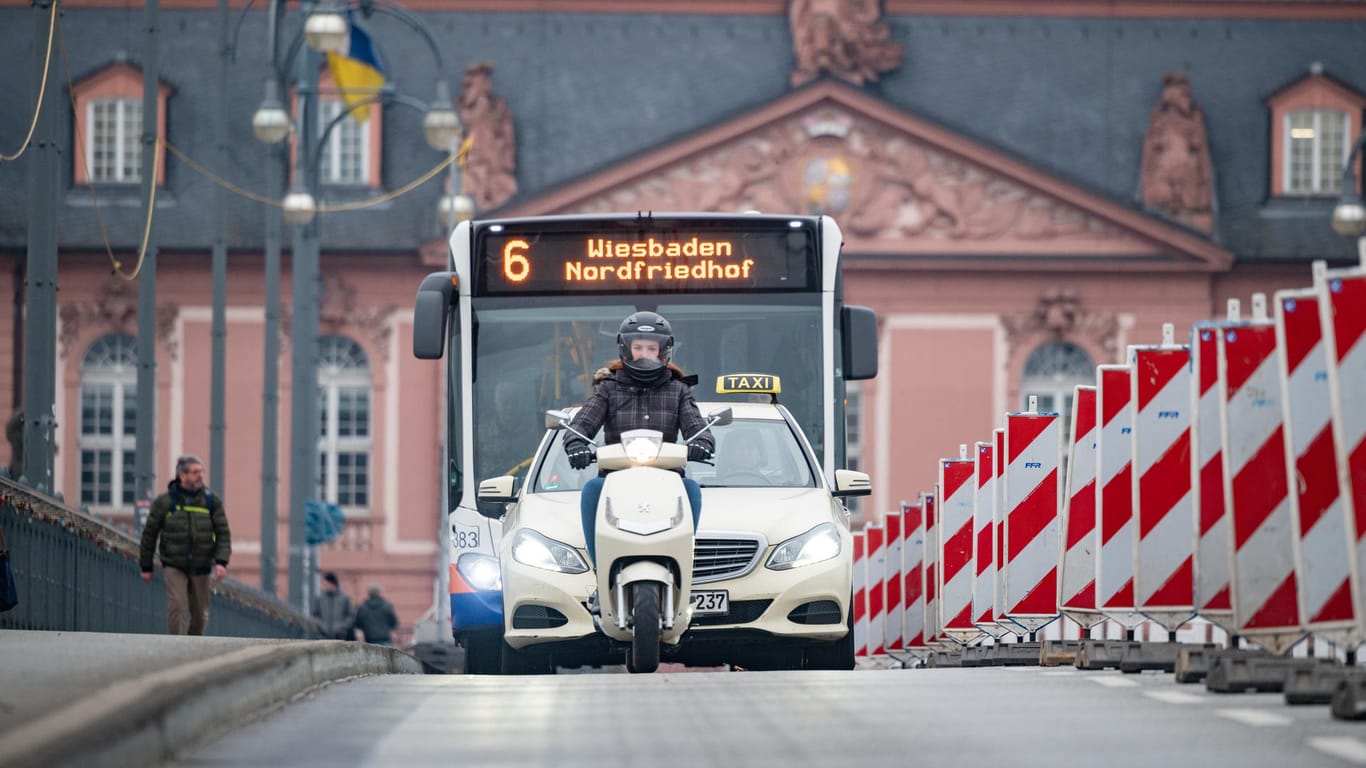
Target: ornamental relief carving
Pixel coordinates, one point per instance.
(115, 310)
(1059, 315)
(844, 38)
(339, 312)
(880, 184)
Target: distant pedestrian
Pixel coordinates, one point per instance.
(375, 618)
(334, 611)
(195, 542)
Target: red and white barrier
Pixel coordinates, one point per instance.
(1079, 514)
(1032, 537)
(1213, 544)
(957, 486)
(1324, 555)
(1343, 311)
(877, 566)
(984, 553)
(1115, 498)
(998, 600)
(1265, 605)
(860, 607)
(891, 585)
(913, 569)
(1164, 587)
(930, 555)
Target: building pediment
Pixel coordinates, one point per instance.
(906, 191)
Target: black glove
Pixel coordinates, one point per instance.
(578, 453)
(699, 451)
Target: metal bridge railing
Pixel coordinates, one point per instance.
(76, 573)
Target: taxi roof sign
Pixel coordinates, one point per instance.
(749, 384)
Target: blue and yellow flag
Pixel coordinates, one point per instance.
(357, 71)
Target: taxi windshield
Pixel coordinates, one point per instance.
(750, 453)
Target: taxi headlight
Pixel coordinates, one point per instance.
(816, 545)
(642, 449)
(538, 551)
(480, 571)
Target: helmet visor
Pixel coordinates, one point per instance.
(645, 346)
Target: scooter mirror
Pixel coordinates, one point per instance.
(721, 416)
(556, 419)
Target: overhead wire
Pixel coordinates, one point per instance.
(42, 89)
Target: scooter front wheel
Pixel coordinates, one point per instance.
(645, 633)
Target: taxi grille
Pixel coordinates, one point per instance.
(719, 558)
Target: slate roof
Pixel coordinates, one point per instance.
(1070, 96)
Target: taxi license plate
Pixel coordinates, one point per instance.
(714, 601)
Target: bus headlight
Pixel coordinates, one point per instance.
(538, 551)
(480, 571)
(816, 545)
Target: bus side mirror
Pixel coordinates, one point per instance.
(431, 313)
(859, 343)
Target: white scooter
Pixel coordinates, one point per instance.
(644, 542)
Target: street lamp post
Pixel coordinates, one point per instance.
(323, 30)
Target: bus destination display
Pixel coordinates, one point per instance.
(646, 260)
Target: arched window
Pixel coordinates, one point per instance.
(344, 419)
(1051, 372)
(109, 378)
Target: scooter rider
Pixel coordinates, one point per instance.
(643, 391)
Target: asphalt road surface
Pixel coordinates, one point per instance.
(954, 717)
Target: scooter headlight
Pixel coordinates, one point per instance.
(642, 449)
(480, 571)
(538, 551)
(816, 545)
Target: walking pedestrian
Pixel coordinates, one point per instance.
(334, 611)
(195, 543)
(375, 618)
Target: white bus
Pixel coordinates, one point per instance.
(529, 311)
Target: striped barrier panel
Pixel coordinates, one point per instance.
(1212, 546)
(860, 607)
(894, 613)
(1342, 307)
(1324, 556)
(998, 594)
(957, 484)
(984, 554)
(929, 554)
(1114, 497)
(1032, 536)
(877, 565)
(1265, 606)
(913, 570)
(1164, 585)
(1079, 514)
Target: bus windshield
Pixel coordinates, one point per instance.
(530, 359)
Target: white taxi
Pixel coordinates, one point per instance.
(773, 557)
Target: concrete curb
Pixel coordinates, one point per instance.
(145, 720)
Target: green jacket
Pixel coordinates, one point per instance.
(193, 536)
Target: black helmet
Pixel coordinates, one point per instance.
(645, 326)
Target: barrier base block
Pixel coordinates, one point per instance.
(1349, 698)
(977, 656)
(1160, 656)
(1314, 685)
(944, 659)
(1264, 673)
(1055, 653)
(1016, 655)
(1101, 654)
(1193, 661)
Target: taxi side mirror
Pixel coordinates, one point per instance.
(851, 483)
(498, 489)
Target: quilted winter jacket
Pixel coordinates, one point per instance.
(193, 536)
(618, 405)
